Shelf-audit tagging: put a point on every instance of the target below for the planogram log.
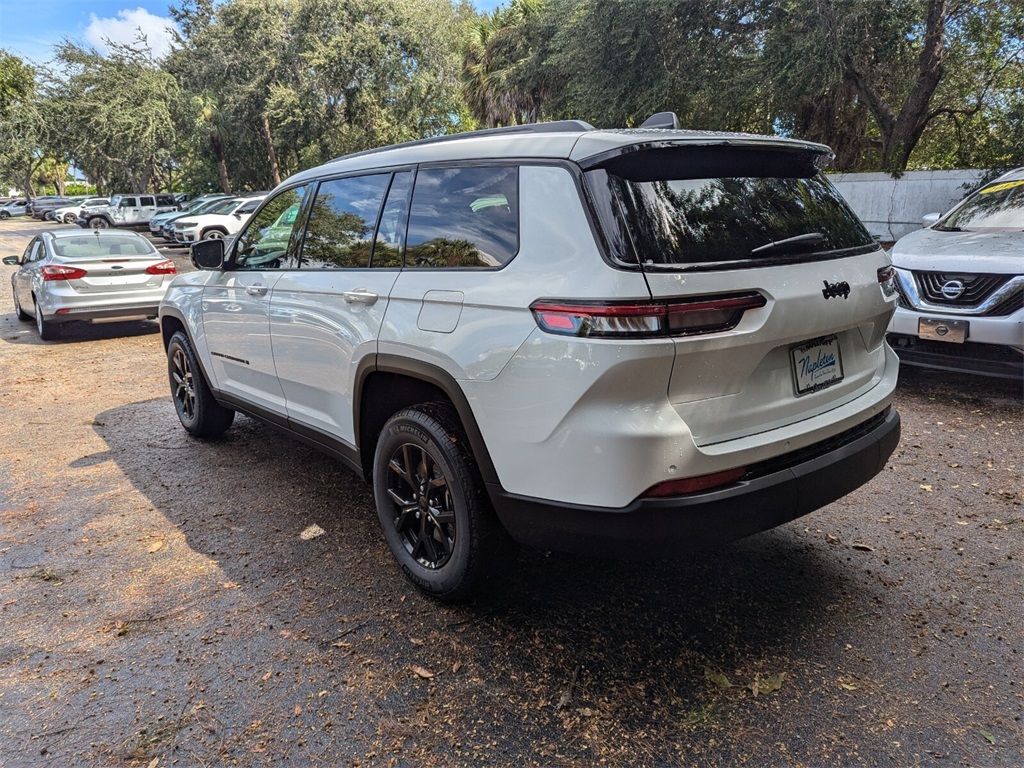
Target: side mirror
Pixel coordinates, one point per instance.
(929, 219)
(12, 261)
(208, 254)
(238, 216)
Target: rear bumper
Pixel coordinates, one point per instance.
(119, 312)
(771, 494)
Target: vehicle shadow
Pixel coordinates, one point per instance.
(15, 331)
(656, 643)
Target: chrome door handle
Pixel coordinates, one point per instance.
(360, 296)
(256, 290)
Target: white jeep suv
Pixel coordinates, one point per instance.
(217, 222)
(601, 341)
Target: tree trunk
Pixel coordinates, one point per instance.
(275, 172)
(222, 165)
(901, 132)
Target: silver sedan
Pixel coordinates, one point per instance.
(91, 276)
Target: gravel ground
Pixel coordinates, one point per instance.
(161, 606)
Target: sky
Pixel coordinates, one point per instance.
(30, 29)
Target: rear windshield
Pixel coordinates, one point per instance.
(664, 209)
(101, 246)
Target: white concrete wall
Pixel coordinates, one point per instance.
(890, 208)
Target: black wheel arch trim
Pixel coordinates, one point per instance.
(444, 381)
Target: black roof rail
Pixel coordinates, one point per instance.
(555, 126)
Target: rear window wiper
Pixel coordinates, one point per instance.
(810, 238)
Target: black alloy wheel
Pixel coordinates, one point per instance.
(432, 505)
(424, 512)
(183, 385)
(199, 413)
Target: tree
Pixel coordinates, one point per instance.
(886, 70)
(115, 114)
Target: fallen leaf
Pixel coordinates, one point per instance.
(154, 762)
(767, 684)
(426, 674)
(925, 487)
(312, 532)
(415, 641)
(848, 686)
(156, 546)
(862, 547)
(988, 736)
(717, 678)
(298, 710)
(456, 667)
(267, 676)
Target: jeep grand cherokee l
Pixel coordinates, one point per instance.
(601, 341)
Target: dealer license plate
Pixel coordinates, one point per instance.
(816, 364)
(954, 331)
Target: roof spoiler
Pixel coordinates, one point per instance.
(662, 120)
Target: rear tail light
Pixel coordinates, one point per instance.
(163, 268)
(53, 272)
(695, 484)
(887, 281)
(709, 314)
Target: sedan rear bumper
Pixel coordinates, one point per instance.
(147, 310)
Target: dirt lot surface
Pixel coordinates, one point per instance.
(161, 606)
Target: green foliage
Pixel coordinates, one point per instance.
(115, 112)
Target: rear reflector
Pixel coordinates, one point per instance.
(707, 314)
(53, 272)
(163, 268)
(694, 484)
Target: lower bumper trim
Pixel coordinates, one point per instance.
(667, 527)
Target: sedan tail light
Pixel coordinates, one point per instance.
(54, 272)
(707, 314)
(163, 268)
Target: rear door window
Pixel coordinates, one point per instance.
(464, 217)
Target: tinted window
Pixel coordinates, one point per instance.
(264, 243)
(780, 209)
(146, 201)
(341, 222)
(127, 202)
(997, 206)
(387, 248)
(464, 217)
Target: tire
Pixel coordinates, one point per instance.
(431, 503)
(213, 234)
(198, 412)
(99, 223)
(47, 331)
(48, 216)
(4, 215)
(70, 218)
(22, 314)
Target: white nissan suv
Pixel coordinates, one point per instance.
(603, 341)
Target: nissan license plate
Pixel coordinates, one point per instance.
(954, 331)
(817, 364)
